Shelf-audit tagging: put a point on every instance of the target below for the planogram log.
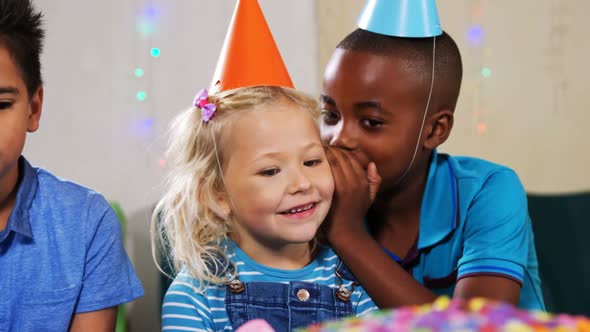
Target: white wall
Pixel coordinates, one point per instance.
(91, 128)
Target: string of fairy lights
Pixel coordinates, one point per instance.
(475, 36)
(479, 49)
(147, 20)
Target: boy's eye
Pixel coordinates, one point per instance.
(5, 105)
(312, 163)
(269, 172)
(330, 117)
(372, 123)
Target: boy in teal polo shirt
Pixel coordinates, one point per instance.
(456, 226)
(62, 263)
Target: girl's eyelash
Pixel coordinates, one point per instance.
(313, 162)
(269, 172)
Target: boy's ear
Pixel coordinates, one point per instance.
(35, 108)
(439, 128)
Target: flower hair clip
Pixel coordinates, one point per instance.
(207, 109)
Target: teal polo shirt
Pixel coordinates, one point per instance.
(474, 221)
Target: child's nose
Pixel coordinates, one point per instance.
(300, 182)
(344, 138)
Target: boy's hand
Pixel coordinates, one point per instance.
(374, 180)
(355, 190)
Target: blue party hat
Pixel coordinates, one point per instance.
(401, 18)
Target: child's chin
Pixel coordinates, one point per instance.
(304, 237)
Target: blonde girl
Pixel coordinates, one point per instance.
(248, 188)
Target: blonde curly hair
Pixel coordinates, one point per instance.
(189, 225)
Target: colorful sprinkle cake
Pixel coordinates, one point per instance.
(456, 315)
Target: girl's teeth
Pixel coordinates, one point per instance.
(301, 209)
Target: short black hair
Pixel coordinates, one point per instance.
(22, 34)
(416, 56)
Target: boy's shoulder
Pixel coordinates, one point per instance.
(62, 187)
(54, 192)
(77, 245)
(52, 205)
(476, 177)
(480, 172)
(474, 167)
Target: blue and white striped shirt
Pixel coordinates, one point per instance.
(185, 308)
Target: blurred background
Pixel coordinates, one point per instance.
(116, 72)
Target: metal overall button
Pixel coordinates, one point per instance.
(303, 295)
(236, 286)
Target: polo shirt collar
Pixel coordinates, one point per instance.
(19, 221)
(439, 214)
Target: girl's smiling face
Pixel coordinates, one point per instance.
(277, 177)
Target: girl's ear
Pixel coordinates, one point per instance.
(439, 128)
(219, 201)
(224, 205)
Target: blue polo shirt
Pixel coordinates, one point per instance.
(474, 221)
(60, 254)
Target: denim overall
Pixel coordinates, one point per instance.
(289, 306)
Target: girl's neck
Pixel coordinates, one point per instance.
(285, 256)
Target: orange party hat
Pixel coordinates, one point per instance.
(249, 56)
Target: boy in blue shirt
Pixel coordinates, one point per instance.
(62, 263)
(440, 225)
